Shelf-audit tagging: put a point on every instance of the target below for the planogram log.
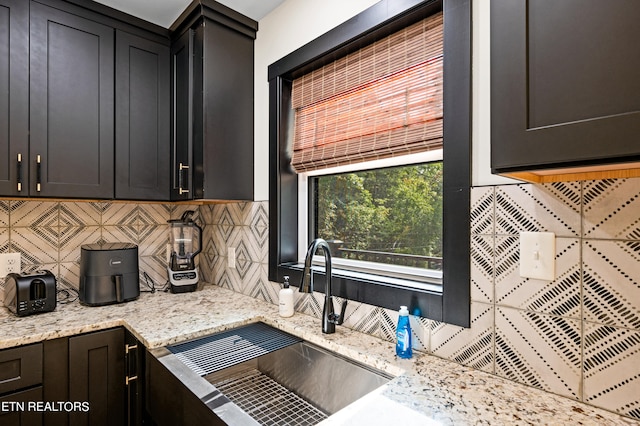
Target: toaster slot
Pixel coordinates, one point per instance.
(38, 289)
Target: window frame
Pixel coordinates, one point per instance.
(452, 305)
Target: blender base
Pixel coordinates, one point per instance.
(183, 288)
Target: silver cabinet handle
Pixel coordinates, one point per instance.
(182, 168)
(127, 349)
(19, 172)
(38, 173)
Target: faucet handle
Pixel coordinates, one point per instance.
(339, 319)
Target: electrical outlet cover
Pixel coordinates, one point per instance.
(231, 257)
(9, 263)
(538, 255)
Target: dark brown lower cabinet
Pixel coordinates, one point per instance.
(169, 402)
(20, 385)
(16, 411)
(86, 369)
(96, 376)
(134, 380)
(89, 379)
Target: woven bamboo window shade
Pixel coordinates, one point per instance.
(382, 101)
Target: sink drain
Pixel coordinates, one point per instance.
(267, 401)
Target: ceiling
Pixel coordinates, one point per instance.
(165, 12)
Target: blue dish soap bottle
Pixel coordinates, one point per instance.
(403, 334)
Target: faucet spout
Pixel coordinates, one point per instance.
(329, 317)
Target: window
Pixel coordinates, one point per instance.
(386, 221)
(396, 284)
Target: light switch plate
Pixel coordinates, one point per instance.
(538, 255)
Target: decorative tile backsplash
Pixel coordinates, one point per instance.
(48, 234)
(576, 336)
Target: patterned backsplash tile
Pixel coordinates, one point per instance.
(542, 351)
(4, 214)
(482, 267)
(611, 209)
(48, 234)
(611, 282)
(538, 208)
(612, 368)
(558, 297)
(577, 335)
(472, 346)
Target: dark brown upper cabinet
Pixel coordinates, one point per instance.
(182, 112)
(71, 105)
(212, 104)
(565, 94)
(142, 118)
(69, 126)
(14, 96)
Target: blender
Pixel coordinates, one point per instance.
(185, 238)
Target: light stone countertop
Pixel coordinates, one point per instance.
(426, 391)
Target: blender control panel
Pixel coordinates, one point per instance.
(178, 276)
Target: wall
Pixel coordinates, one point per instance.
(49, 234)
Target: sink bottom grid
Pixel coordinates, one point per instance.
(267, 401)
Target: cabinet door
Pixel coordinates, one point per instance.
(96, 375)
(71, 105)
(227, 145)
(182, 113)
(18, 412)
(142, 119)
(20, 367)
(134, 365)
(564, 83)
(56, 379)
(14, 96)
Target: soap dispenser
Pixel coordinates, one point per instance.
(403, 334)
(286, 299)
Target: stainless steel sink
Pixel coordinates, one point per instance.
(303, 381)
(298, 384)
